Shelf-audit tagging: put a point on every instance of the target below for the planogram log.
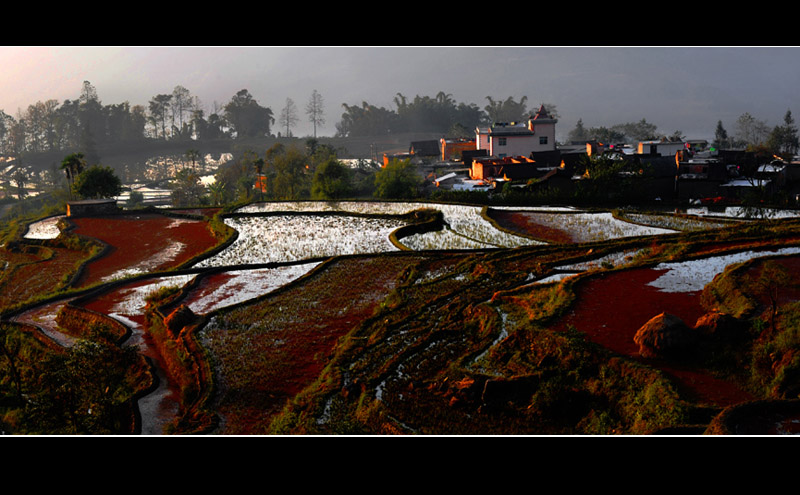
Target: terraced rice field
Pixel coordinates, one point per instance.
(141, 244)
(275, 318)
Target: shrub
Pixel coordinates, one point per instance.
(775, 364)
(331, 180)
(97, 182)
(397, 180)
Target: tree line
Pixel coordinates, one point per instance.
(440, 114)
(749, 133)
(755, 134)
(293, 172)
(619, 133)
(85, 122)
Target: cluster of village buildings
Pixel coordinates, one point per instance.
(526, 154)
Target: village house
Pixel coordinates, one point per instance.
(507, 167)
(90, 207)
(389, 156)
(422, 149)
(453, 148)
(467, 156)
(660, 147)
(697, 145)
(519, 138)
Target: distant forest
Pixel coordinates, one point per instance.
(85, 123)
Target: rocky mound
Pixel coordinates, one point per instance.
(664, 335)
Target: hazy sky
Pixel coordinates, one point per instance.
(676, 88)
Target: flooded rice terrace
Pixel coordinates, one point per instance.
(285, 237)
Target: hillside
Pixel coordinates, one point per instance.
(410, 318)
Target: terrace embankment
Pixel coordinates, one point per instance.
(527, 225)
(269, 350)
(33, 271)
(83, 323)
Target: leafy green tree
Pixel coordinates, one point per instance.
(291, 174)
(247, 117)
(319, 152)
(67, 125)
(20, 177)
(124, 123)
(92, 120)
(637, 131)
(769, 286)
(331, 180)
(236, 178)
(435, 114)
(97, 182)
(721, 139)
(274, 151)
(159, 112)
(579, 133)
(6, 123)
(367, 120)
(783, 138)
(606, 135)
(397, 180)
(507, 110)
(187, 190)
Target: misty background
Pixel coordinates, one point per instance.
(686, 89)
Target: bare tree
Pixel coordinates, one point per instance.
(181, 106)
(750, 130)
(314, 111)
(288, 117)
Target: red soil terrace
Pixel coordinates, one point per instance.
(610, 309)
(523, 224)
(142, 239)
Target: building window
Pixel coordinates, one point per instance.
(501, 141)
(542, 139)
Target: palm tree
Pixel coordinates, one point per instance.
(73, 165)
(217, 190)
